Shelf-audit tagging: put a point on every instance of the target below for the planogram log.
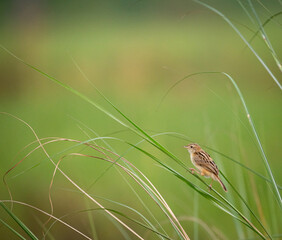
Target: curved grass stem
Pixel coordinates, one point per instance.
(263, 155)
(243, 38)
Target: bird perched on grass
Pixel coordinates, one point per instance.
(204, 163)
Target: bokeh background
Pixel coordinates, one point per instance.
(133, 51)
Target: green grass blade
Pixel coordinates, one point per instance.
(176, 175)
(265, 161)
(91, 223)
(113, 163)
(274, 185)
(117, 212)
(137, 129)
(244, 166)
(122, 231)
(182, 136)
(141, 224)
(240, 196)
(134, 146)
(196, 215)
(264, 24)
(245, 10)
(217, 202)
(12, 229)
(246, 204)
(19, 222)
(149, 139)
(261, 29)
(265, 37)
(243, 38)
(43, 226)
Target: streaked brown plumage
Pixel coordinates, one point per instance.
(203, 161)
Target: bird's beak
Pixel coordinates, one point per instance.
(185, 146)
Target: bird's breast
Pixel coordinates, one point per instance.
(193, 160)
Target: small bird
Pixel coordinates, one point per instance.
(203, 161)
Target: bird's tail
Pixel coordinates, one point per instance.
(221, 183)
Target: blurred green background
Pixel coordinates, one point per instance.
(133, 51)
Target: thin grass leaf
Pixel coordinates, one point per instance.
(145, 220)
(77, 154)
(265, 37)
(114, 211)
(124, 234)
(207, 195)
(182, 136)
(116, 139)
(245, 10)
(142, 225)
(242, 37)
(91, 223)
(259, 30)
(196, 214)
(153, 158)
(76, 141)
(19, 222)
(139, 132)
(136, 130)
(154, 195)
(50, 236)
(47, 214)
(12, 229)
(264, 24)
(137, 195)
(264, 158)
(277, 235)
(201, 223)
(69, 179)
(244, 166)
(246, 204)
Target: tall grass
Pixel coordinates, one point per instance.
(138, 181)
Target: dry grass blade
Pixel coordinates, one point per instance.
(171, 215)
(71, 181)
(152, 192)
(50, 215)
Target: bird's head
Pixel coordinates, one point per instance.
(193, 147)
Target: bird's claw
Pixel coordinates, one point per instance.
(210, 187)
(192, 170)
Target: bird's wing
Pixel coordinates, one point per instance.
(204, 160)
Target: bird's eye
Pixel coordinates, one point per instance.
(191, 146)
